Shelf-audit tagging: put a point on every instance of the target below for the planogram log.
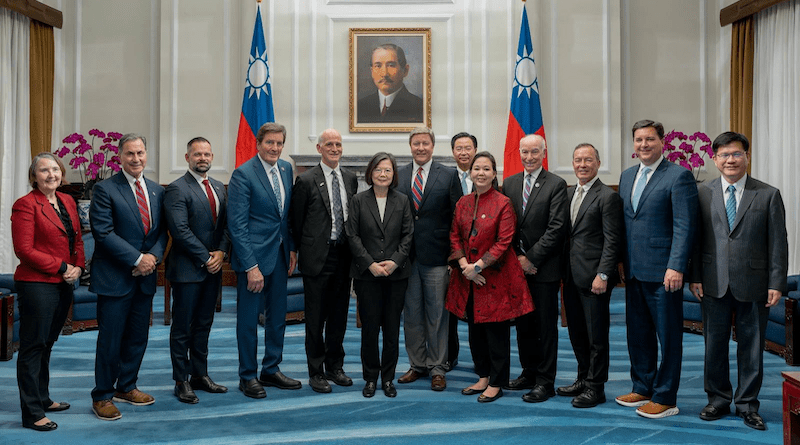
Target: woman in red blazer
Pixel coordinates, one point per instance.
(47, 240)
(491, 288)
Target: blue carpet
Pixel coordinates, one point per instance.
(344, 417)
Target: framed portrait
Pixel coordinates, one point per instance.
(390, 79)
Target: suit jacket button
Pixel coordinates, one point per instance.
(473, 251)
(416, 218)
(381, 239)
(381, 251)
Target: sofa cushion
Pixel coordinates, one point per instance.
(776, 333)
(7, 282)
(777, 313)
(82, 295)
(792, 282)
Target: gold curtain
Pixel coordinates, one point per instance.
(42, 52)
(742, 54)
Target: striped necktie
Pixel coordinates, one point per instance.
(730, 206)
(526, 192)
(144, 211)
(338, 212)
(416, 190)
(276, 188)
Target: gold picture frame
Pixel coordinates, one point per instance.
(410, 106)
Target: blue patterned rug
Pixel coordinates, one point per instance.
(417, 415)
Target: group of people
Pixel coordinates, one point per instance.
(425, 243)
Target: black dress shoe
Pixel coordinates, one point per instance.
(521, 382)
(339, 377)
(319, 384)
(369, 389)
(389, 389)
(49, 426)
(61, 406)
(472, 392)
(205, 383)
(184, 393)
(575, 389)
(711, 412)
(538, 394)
(449, 365)
(279, 380)
(589, 398)
(252, 388)
(483, 399)
(753, 420)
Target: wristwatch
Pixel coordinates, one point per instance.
(478, 269)
(603, 276)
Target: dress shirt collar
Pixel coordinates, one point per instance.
(387, 100)
(587, 186)
(653, 166)
(327, 170)
(534, 174)
(131, 180)
(197, 176)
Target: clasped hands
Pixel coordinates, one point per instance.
(469, 272)
(72, 274)
(382, 269)
(146, 266)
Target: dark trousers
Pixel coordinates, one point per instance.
(588, 324)
(43, 308)
(452, 340)
(124, 325)
(193, 308)
(751, 325)
(327, 299)
(537, 334)
(654, 316)
(380, 303)
(490, 344)
(272, 302)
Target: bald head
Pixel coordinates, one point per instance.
(329, 145)
(532, 151)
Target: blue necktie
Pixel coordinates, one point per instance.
(276, 188)
(464, 190)
(730, 206)
(637, 192)
(526, 192)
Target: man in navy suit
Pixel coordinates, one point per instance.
(319, 211)
(659, 205)
(433, 191)
(263, 257)
(540, 202)
(739, 267)
(392, 102)
(130, 235)
(194, 206)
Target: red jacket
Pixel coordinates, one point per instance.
(505, 294)
(40, 241)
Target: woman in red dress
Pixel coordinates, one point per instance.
(491, 288)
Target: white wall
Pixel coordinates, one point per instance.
(174, 69)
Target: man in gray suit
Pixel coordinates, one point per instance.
(194, 205)
(739, 267)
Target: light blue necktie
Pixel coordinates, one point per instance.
(730, 206)
(464, 190)
(276, 188)
(637, 192)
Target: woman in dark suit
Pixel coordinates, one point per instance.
(491, 288)
(379, 229)
(47, 240)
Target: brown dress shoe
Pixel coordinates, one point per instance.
(438, 383)
(633, 400)
(105, 410)
(410, 376)
(134, 397)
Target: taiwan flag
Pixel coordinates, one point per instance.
(525, 116)
(257, 101)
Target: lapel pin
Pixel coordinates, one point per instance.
(322, 184)
(536, 185)
(483, 216)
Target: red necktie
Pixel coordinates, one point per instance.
(211, 201)
(416, 189)
(383, 110)
(141, 200)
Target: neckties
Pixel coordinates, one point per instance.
(730, 206)
(144, 211)
(416, 190)
(211, 201)
(526, 192)
(383, 110)
(276, 188)
(464, 189)
(637, 191)
(338, 213)
(576, 203)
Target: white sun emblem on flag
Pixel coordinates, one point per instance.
(258, 74)
(525, 75)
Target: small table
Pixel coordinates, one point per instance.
(791, 407)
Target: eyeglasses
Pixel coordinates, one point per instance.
(379, 171)
(736, 156)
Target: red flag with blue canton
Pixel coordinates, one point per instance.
(257, 102)
(525, 116)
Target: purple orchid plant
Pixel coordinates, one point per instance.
(687, 154)
(93, 163)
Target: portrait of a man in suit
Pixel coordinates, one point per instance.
(390, 101)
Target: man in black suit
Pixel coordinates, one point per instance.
(432, 191)
(130, 235)
(540, 201)
(739, 267)
(464, 147)
(595, 239)
(194, 206)
(392, 102)
(318, 213)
